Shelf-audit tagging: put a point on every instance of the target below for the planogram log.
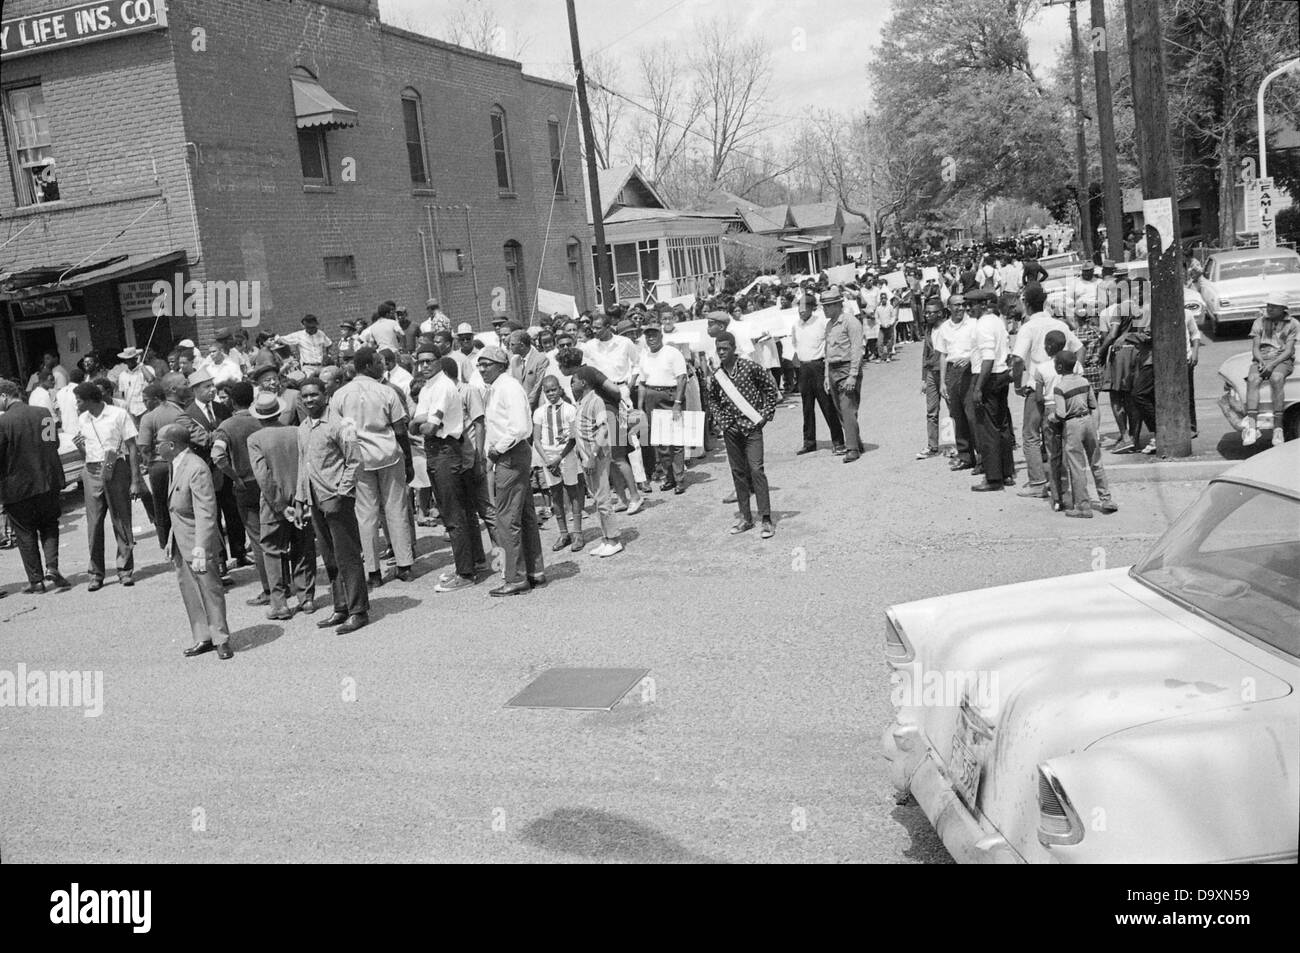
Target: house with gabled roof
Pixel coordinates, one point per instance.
(658, 252)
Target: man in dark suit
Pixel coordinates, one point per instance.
(288, 542)
(207, 413)
(176, 395)
(31, 481)
(194, 543)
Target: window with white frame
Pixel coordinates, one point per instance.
(693, 262)
(413, 125)
(31, 153)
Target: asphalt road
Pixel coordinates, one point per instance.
(758, 742)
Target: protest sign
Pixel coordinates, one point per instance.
(686, 432)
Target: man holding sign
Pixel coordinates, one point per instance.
(662, 376)
(742, 398)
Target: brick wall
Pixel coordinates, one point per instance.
(218, 78)
(238, 108)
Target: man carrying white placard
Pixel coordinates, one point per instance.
(662, 376)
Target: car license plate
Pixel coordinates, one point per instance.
(964, 765)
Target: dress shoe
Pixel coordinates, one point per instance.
(57, 581)
(375, 580)
(729, 498)
(560, 543)
(510, 589)
(199, 649)
(262, 599)
(224, 651)
(668, 485)
(644, 486)
(742, 526)
(280, 615)
(307, 606)
(33, 588)
(337, 618)
(984, 486)
(95, 585)
(404, 574)
(242, 562)
(852, 456)
(807, 448)
(977, 470)
(537, 582)
(126, 581)
(354, 622)
(679, 489)
(1039, 492)
(839, 450)
(962, 465)
(1108, 507)
(387, 553)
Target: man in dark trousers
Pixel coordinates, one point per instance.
(742, 398)
(31, 482)
(230, 456)
(992, 419)
(208, 413)
(288, 542)
(157, 472)
(329, 457)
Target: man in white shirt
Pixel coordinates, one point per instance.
(993, 434)
(384, 332)
(311, 345)
(509, 422)
(65, 399)
(956, 343)
(440, 421)
(42, 394)
(808, 337)
(662, 375)
(110, 480)
(219, 363)
(612, 354)
(435, 319)
(131, 382)
(1029, 352)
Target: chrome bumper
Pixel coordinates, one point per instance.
(913, 766)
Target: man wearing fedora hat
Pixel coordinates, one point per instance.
(130, 379)
(288, 542)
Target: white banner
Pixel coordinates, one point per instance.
(841, 273)
(687, 301)
(687, 432)
(552, 302)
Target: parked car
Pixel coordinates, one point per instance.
(1237, 282)
(1146, 714)
(1233, 400)
(72, 462)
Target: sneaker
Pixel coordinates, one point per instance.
(453, 584)
(1079, 514)
(636, 507)
(1279, 437)
(610, 548)
(1037, 492)
(1125, 447)
(1149, 449)
(928, 453)
(1249, 432)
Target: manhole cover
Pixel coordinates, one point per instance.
(581, 689)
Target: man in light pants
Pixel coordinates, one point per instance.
(380, 418)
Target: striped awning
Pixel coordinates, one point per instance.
(316, 108)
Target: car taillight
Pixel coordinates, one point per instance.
(898, 649)
(1057, 821)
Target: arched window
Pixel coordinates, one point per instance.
(413, 124)
(501, 149)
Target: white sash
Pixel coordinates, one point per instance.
(744, 406)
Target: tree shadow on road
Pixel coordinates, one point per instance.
(390, 605)
(600, 835)
(254, 637)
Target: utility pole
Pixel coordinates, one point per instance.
(1114, 208)
(604, 273)
(1160, 208)
(1081, 142)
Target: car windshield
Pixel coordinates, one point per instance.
(1234, 554)
(1256, 267)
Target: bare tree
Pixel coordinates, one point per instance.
(660, 134)
(476, 25)
(607, 106)
(733, 75)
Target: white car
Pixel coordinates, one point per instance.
(1138, 715)
(1237, 282)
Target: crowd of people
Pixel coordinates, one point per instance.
(288, 449)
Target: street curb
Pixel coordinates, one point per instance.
(1168, 471)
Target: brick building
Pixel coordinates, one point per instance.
(301, 145)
